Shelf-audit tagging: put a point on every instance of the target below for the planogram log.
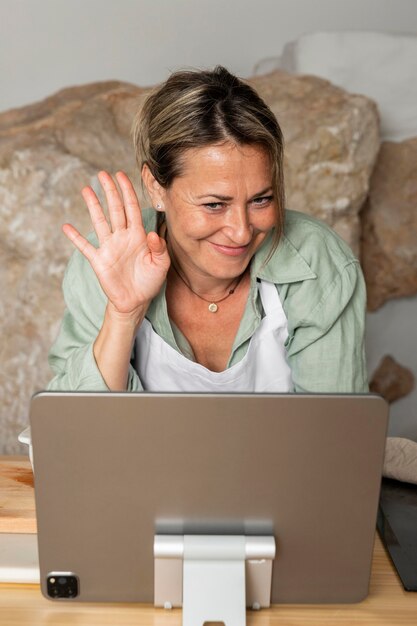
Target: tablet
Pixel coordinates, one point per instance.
(397, 525)
(112, 470)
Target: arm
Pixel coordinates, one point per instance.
(326, 350)
(131, 266)
(72, 355)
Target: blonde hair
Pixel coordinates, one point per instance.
(195, 108)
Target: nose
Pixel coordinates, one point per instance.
(238, 226)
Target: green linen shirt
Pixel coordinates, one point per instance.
(321, 288)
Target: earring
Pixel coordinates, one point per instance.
(158, 207)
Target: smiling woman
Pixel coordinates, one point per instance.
(219, 220)
(218, 288)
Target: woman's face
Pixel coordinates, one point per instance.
(220, 209)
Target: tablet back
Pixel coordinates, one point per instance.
(111, 470)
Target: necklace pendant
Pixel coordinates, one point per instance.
(212, 307)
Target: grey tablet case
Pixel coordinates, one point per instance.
(111, 470)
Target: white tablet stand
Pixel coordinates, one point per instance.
(213, 577)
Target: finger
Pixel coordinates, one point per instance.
(114, 201)
(130, 200)
(98, 219)
(84, 246)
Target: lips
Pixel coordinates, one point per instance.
(230, 250)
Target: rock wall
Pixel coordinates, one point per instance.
(389, 225)
(332, 141)
(50, 150)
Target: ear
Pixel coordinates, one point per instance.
(155, 191)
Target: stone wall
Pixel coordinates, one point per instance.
(389, 224)
(50, 150)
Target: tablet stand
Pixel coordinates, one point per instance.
(213, 577)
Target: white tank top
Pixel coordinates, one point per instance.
(264, 367)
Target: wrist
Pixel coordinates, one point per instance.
(129, 320)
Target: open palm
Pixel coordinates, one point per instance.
(130, 264)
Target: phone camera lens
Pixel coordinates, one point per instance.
(62, 585)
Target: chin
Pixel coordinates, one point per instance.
(225, 271)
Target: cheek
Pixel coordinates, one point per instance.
(265, 221)
(188, 224)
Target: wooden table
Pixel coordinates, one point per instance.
(23, 605)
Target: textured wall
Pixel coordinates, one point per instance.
(50, 150)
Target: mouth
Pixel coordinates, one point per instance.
(230, 250)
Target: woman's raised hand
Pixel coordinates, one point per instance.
(130, 264)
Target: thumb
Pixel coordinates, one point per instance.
(156, 245)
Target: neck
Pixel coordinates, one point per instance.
(204, 285)
(211, 289)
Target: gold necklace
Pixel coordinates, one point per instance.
(212, 307)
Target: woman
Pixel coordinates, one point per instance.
(217, 288)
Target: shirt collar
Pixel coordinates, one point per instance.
(286, 265)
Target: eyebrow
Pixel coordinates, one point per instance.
(227, 198)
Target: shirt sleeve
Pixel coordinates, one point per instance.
(326, 350)
(71, 357)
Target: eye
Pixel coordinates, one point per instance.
(214, 206)
(262, 201)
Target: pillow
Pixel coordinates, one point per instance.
(401, 459)
(381, 66)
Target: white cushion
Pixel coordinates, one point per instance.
(401, 459)
(379, 65)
